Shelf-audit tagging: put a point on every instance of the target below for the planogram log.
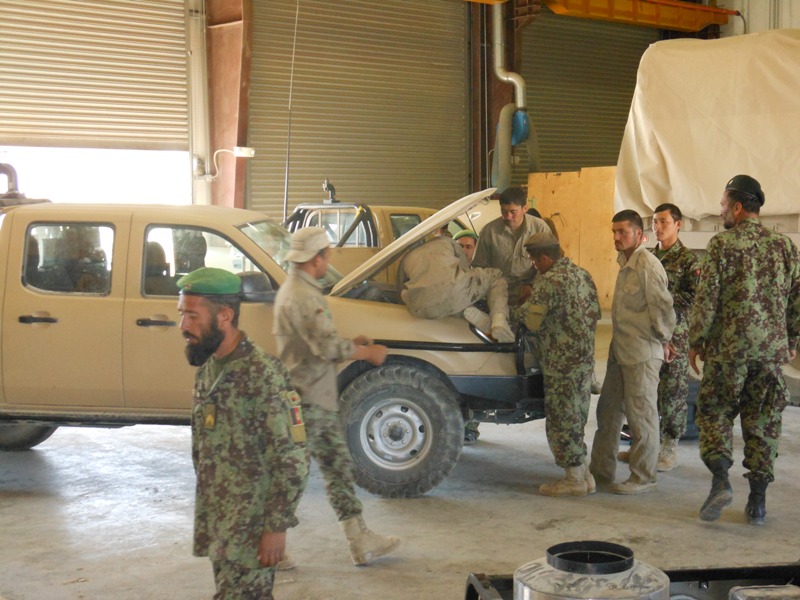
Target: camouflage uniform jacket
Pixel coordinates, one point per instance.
(747, 305)
(641, 312)
(503, 249)
(566, 298)
(681, 266)
(250, 470)
(307, 340)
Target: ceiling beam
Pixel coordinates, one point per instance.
(661, 14)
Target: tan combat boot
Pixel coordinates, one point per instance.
(286, 564)
(364, 544)
(668, 454)
(574, 483)
(501, 330)
(477, 317)
(591, 485)
(624, 456)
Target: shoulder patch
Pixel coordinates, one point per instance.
(292, 397)
(297, 426)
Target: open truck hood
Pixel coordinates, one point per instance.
(404, 242)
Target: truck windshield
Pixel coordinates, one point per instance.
(276, 241)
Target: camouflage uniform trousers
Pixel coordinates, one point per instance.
(328, 447)
(757, 393)
(673, 386)
(237, 582)
(566, 399)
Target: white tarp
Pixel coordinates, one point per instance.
(705, 110)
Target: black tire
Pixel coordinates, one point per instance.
(23, 436)
(404, 429)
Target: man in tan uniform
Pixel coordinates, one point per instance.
(310, 347)
(642, 322)
(441, 283)
(502, 244)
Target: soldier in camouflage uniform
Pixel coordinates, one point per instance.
(745, 325)
(248, 441)
(681, 266)
(310, 347)
(562, 314)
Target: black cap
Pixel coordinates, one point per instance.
(746, 185)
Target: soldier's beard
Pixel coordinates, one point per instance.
(197, 352)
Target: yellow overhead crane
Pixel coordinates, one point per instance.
(660, 14)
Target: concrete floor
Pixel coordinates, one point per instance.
(95, 514)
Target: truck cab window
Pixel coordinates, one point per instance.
(69, 258)
(402, 224)
(169, 253)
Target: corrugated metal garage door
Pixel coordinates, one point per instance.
(580, 76)
(93, 73)
(379, 102)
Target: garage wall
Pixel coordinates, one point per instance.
(758, 15)
(94, 73)
(379, 102)
(580, 75)
(584, 228)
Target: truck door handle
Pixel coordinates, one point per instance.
(28, 319)
(154, 323)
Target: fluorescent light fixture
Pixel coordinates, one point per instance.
(244, 152)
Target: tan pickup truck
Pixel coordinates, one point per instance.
(359, 231)
(89, 334)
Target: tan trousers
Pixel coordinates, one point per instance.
(443, 299)
(629, 392)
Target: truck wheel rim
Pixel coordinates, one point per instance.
(394, 434)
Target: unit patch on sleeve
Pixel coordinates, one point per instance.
(297, 426)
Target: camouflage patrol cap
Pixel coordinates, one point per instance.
(465, 233)
(306, 243)
(208, 281)
(746, 185)
(542, 239)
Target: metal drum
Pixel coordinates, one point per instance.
(589, 570)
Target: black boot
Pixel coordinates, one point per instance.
(721, 494)
(756, 510)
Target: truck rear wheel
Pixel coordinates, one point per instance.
(23, 436)
(404, 429)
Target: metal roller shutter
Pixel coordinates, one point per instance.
(580, 76)
(94, 73)
(379, 102)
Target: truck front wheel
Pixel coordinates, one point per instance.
(404, 430)
(23, 436)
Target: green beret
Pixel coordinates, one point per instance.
(208, 281)
(465, 233)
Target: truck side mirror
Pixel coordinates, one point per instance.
(257, 287)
